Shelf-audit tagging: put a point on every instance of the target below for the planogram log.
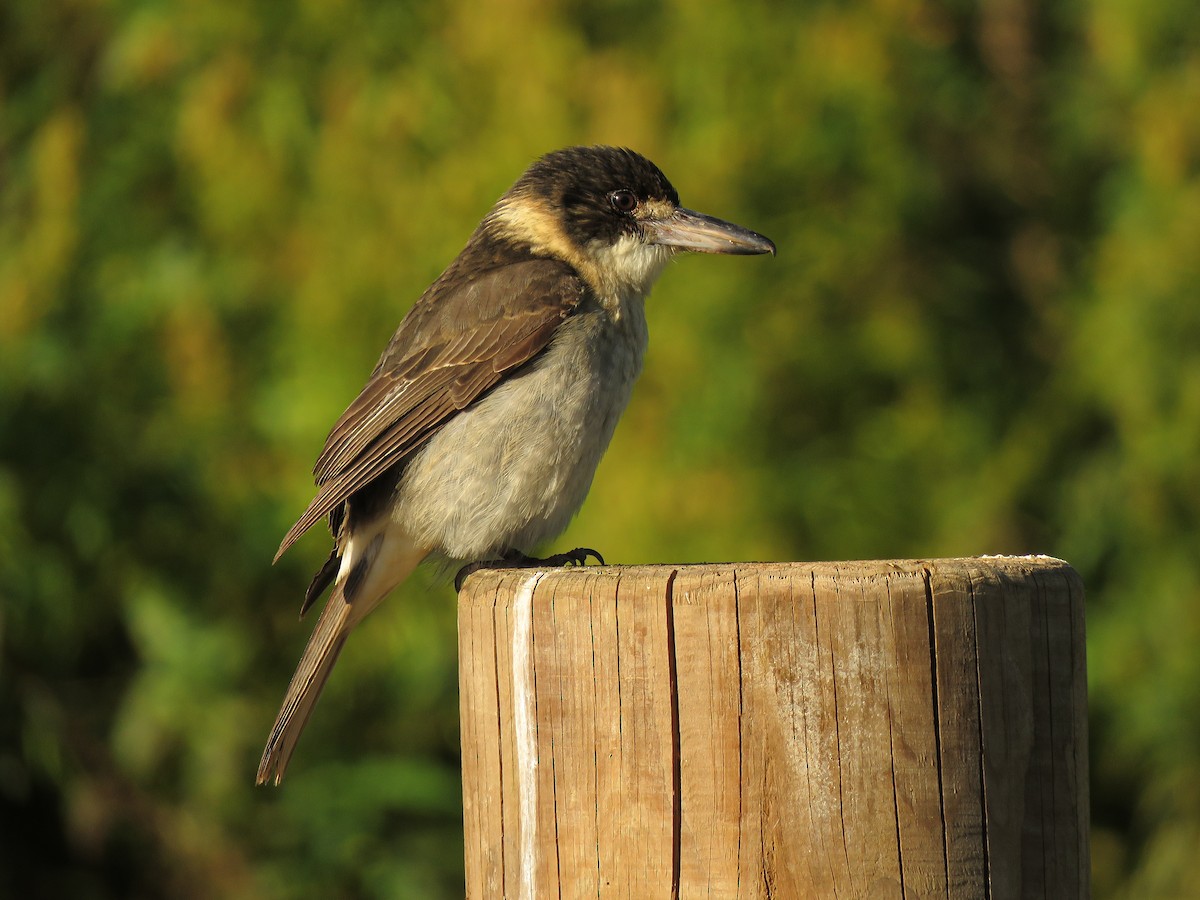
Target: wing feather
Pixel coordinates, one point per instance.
(454, 347)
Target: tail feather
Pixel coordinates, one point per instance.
(328, 638)
(375, 560)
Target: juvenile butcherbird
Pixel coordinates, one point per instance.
(478, 433)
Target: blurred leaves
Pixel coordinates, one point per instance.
(980, 336)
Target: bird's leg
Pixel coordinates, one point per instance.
(515, 559)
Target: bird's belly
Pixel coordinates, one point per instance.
(510, 471)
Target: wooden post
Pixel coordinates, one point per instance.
(858, 729)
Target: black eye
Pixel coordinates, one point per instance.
(623, 201)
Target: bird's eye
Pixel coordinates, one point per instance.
(623, 201)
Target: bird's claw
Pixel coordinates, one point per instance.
(577, 557)
(515, 559)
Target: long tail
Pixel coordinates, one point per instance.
(328, 638)
(372, 564)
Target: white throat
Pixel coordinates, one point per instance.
(628, 268)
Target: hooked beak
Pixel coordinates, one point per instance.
(689, 230)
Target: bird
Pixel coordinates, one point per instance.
(479, 431)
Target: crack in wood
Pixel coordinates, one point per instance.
(937, 722)
(676, 758)
(983, 791)
(892, 747)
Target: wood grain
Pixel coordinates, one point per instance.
(897, 729)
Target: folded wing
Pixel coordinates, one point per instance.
(458, 342)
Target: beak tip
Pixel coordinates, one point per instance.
(758, 245)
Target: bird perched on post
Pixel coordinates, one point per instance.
(478, 433)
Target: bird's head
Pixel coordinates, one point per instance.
(614, 216)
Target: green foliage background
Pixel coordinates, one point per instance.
(981, 335)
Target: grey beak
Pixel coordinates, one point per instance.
(690, 230)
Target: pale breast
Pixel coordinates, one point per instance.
(511, 470)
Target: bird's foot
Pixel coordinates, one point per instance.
(577, 557)
(515, 559)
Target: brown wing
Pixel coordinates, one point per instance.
(455, 345)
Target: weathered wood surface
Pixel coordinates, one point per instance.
(860, 729)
